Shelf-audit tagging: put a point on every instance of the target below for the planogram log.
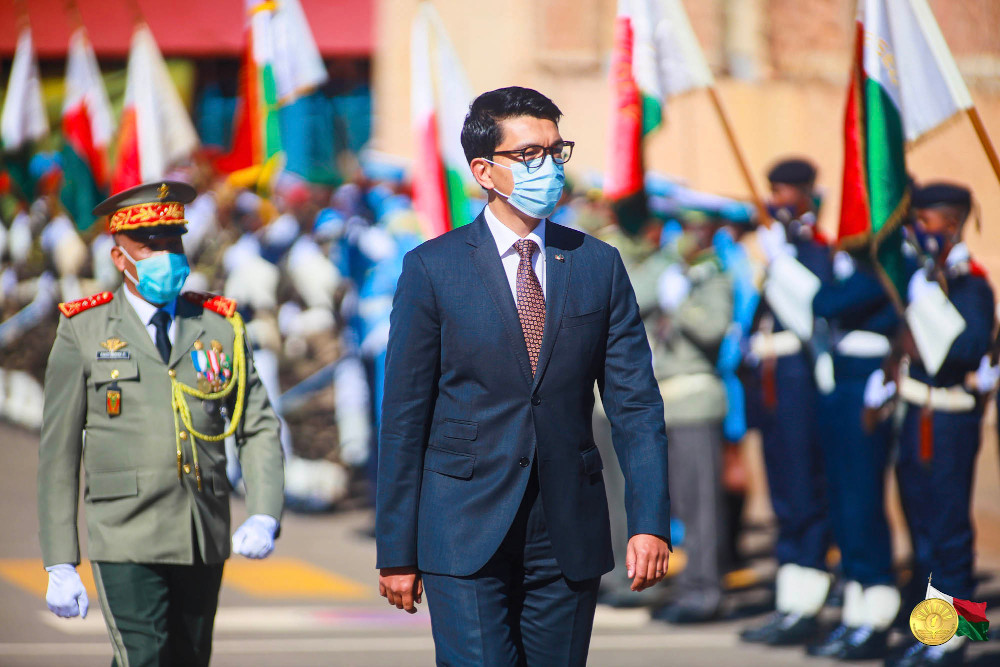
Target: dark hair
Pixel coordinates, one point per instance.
(481, 132)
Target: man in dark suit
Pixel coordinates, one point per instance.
(490, 491)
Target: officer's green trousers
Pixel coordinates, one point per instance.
(159, 615)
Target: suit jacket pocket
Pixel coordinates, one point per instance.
(447, 462)
(590, 460)
(570, 321)
(460, 429)
(111, 485)
(104, 371)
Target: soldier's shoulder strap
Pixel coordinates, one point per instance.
(977, 269)
(71, 308)
(216, 303)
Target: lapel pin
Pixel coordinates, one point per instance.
(560, 258)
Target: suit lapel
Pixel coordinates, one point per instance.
(125, 324)
(490, 268)
(189, 329)
(557, 272)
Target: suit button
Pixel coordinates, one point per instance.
(524, 462)
(536, 400)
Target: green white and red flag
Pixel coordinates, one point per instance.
(655, 55)
(87, 128)
(280, 63)
(903, 85)
(972, 621)
(439, 100)
(155, 131)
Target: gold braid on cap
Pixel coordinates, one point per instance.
(146, 215)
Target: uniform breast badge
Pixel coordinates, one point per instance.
(113, 350)
(934, 621)
(113, 397)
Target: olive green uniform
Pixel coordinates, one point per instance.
(143, 506)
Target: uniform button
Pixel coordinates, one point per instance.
(183, 435)
(172, 373)
(536, 400)
(187, 468)
(524, 462)
(114, 374)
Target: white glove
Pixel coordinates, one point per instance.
(987, 376)
(843, 266)
(255, 538)
(673, 288)
(920, 285)
(66, 595)
(773, 241)
(878, 391)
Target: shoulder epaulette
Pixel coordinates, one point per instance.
(71, 308)
(977, 269)
(214, 302)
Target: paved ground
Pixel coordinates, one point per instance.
(314, 602)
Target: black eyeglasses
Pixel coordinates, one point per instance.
(533, 157)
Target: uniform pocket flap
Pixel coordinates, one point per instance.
(461, 430)
(591, 460)
(103, 371)
(108, 485)
(569, 321)
(452, 464)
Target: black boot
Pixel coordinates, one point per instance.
(760, 634)
(865, 643)
(832, 644)
(793, 630)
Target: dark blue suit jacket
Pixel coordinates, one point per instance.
(462, 416)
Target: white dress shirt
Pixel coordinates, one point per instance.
(505, 239)
(145, 310)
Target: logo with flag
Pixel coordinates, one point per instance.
(972, 622)
(904, 84)
(156, 130)
(656, 55)
(439, 101)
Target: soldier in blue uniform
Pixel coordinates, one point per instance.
(941, 428)
(858, 316)
(788, 418)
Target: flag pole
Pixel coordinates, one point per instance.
(984, 139)
(763, 217)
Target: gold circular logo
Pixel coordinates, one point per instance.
(933, 621)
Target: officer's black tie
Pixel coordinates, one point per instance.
(161, 320)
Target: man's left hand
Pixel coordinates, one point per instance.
(646, 560)
(255, 538)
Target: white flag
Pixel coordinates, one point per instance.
(23, 118)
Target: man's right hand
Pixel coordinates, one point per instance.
(402, 587)
(66, 595)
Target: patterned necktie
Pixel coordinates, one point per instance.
(530, 301)
(161, 320)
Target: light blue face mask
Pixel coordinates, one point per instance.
(161, 276)
(538, 192)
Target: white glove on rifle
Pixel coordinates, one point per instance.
(66, 596)
(773, 241)
(255, 538)
(878, 391)
(987, 376)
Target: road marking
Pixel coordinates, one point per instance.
(277, 577)
(623, 642)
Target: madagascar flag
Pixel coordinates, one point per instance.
(972, 621)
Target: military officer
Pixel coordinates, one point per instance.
(940, 434)
(154, 380)
(787, 390)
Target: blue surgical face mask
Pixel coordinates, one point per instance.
(538, 192)
(160, 276)
(930, 244)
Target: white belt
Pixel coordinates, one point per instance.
(680, 386)
(944, 399)
(864, 344)
(780, 344)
